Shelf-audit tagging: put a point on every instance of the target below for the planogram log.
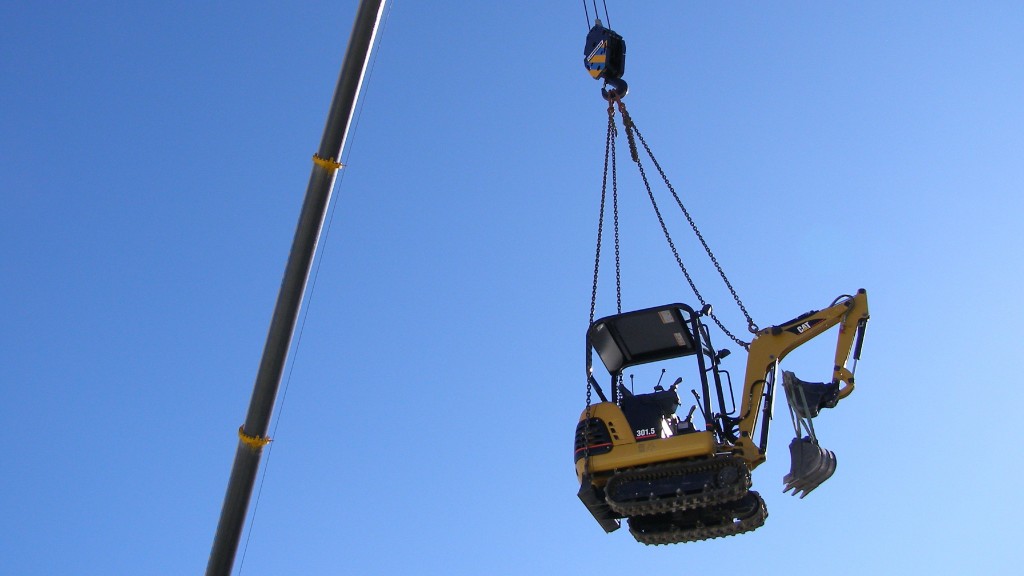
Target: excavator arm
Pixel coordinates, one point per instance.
(772, 344)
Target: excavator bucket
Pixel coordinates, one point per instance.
(810, 466)
(809, 398)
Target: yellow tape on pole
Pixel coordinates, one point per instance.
(254, 442)
(326, 163)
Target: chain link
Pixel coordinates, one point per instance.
(609, 154)
(633, 134)
(615, 227)
(609, 151)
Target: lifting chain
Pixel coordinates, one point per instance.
(609, 158)
(633, 136)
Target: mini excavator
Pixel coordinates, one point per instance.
(673, 482)
(671, 479)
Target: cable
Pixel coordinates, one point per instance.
(597, 17)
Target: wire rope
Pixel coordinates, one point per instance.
(597, 17)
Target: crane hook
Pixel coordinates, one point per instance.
(614, 89)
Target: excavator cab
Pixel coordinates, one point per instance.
(656, 335)
(641, 337)
(636, 459)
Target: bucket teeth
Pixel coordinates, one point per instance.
(810, 466)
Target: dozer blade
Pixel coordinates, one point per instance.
(810, 466)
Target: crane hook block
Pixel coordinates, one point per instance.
(604, 54)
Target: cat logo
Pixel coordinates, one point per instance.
(803, 326)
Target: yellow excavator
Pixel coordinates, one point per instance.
(636, 459)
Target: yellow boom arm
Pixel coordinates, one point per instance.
(772, 344)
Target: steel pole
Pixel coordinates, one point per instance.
(253, 433)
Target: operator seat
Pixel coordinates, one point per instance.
(645, 412)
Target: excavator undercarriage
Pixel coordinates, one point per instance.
(714, 521)
(637, 460)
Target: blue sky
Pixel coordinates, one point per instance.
(153, 159)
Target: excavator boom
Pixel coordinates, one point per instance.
(772, 344)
